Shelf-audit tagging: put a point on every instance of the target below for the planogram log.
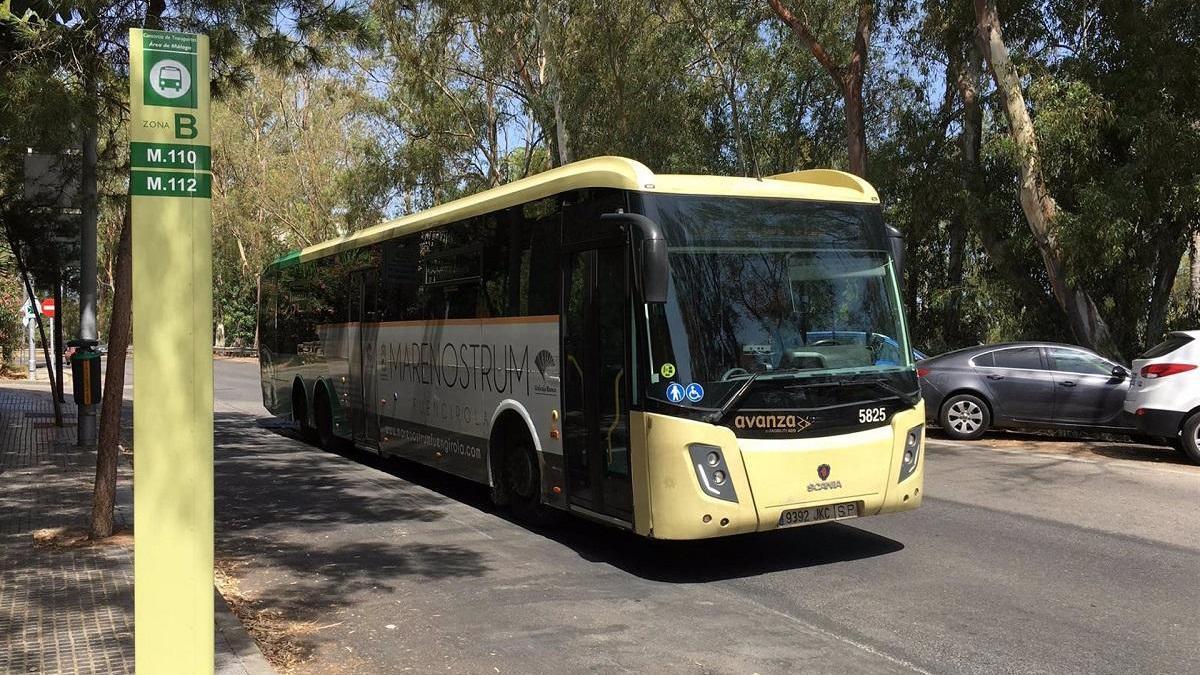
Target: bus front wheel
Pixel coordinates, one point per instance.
(523, 482)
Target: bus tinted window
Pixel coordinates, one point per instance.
(267, 309)
(399, 280)
(515, 282)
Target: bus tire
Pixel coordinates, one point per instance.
(1191, 437)
(300, 412)
(523, 482)
(323, 412)
(965, 417)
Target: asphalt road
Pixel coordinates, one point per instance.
(1018, 562)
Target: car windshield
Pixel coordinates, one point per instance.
(811, 293)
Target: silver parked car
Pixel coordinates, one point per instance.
(1023, 385)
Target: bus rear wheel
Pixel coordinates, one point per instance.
(300, 413)
(324, 415)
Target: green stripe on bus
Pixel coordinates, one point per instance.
(287, 260)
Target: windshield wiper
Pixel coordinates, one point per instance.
(740, 393)
(716, 416)
(883, 384)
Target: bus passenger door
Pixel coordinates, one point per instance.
(595, 325)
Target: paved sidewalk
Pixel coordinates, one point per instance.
(70, 609)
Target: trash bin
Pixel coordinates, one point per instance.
(85, 371)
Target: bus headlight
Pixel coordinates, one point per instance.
(711, 471)
(912, 451)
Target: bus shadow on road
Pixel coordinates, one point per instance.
(732, 557)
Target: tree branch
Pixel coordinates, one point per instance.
(801, 29)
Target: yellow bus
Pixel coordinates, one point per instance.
(680, 356)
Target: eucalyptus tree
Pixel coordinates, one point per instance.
(295, 162)
(838, 33)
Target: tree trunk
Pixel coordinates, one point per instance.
(848, 78)
(108, 445)
(549, 36)
(856, 130)
(967, 79)
(58, 335)
(257, 311)
(1041, 211)
(1196, 276)
(1171, 245)
(856, 133)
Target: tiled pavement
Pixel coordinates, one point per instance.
(70, 610)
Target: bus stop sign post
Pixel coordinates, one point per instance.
(170, 189)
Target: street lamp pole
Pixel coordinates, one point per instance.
(86, 419)
(32, 342)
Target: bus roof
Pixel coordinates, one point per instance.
(603, 172)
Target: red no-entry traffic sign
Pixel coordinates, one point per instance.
(48, 307)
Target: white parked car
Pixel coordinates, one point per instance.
(1164, 397)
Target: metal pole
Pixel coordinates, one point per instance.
(86, 424)
(32, 346)
(58, 333)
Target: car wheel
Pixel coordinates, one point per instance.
(965, 417)
(1191, 437)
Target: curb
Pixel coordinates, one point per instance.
(236, 653)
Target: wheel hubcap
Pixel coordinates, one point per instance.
(965, 417)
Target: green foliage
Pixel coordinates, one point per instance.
(12, 297)
(337, 114)
(294, 164)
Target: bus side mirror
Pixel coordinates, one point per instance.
(896, 248)
(653, 270)
(656, 271)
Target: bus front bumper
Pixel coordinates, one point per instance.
(677, 498)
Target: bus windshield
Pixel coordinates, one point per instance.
(779, 291)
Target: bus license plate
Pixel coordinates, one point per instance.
(816, 514)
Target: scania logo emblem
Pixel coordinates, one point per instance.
(823, 471)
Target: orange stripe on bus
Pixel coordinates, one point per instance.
(507, 320)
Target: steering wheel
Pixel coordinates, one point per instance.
(735, 371)
(826, 343)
